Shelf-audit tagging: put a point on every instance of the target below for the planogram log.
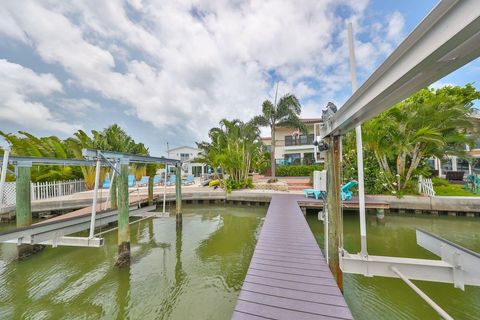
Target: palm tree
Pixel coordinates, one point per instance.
(285, 113)
(234, 147)
(429, 123)
(49, 147)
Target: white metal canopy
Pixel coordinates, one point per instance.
(446, 39)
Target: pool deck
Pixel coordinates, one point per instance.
(288, 277)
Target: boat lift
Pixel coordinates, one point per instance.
(55, 233)
(446, 39)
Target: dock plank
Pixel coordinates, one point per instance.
(288, 277)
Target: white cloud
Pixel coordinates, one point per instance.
(184, 65)
(19, 87)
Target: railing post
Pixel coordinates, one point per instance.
(335, 219)
(123, 216)
(178, 194)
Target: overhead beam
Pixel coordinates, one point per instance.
(446, 39)
(49, 161)
(94, 154)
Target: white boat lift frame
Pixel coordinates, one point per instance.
(446, 39)
(55, 233)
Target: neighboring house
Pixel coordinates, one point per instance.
(470, 164)
(186, 155)
(291, 146)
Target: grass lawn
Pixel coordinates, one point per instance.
(453, 190)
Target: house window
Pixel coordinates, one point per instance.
(184, 156)
(292, 158)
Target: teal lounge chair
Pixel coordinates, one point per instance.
(143, 181)
(157, 180)
(345, 190)
(171, 180)
(106, 183)
(131, 180)
(189, 180)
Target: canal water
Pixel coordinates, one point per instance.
(388, 298)
(192, 273)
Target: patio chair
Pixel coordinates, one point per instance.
(157, 180)
(131, 180)
(345, 190)
(106, 183)
(171, 180)
(189, 180)
(143, 181)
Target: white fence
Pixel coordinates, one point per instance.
(45, 190)
(425, 186)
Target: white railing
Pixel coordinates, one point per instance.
(44, 190)
(425, 186)
(53, 189)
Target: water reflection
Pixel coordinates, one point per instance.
(389, 298)
(230, 247)
(189, 273)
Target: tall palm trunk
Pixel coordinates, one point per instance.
(272, 152)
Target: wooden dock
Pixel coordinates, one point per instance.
(288, 277)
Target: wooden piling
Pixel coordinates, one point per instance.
(113, 193)
(23, 203)
(151, 171)
(123, 217)
(178, 194)
(23, 207)
(150, 190)
(335, 219)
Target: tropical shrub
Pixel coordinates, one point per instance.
(235, 149)
(429, 123)
(298, 170)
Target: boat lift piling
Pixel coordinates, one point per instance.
(178, 194)
(334, 212)
(123, 216)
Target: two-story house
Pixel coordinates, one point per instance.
(293, 147)
(186, 155)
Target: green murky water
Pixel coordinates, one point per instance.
(193, 273)
(388, 298)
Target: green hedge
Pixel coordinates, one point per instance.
(297, 170)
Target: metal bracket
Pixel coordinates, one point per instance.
(110, 164)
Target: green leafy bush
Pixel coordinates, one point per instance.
(297, 170)
(231, 184)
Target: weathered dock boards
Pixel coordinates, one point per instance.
(288, 277)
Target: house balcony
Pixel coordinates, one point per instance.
(301, 140)
(294, 161)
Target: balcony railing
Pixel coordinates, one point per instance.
(294, 161)
(299, 140)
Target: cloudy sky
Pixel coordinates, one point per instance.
(170, 70)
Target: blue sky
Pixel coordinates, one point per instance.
(170, 70)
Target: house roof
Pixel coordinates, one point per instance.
(182, 147)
